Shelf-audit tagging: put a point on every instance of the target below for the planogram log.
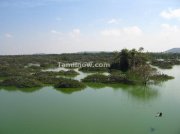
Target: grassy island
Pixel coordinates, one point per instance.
(93, 69)
(21, 82)
(111, 79)
(161, 77)
(126, 67)
(69, 83)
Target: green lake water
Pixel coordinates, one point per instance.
(117, 109)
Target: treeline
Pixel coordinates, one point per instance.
(165, 56)
(51, 60)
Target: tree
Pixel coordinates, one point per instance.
(124, 60)
(141, 49)
(144, 73)
(129, 59)
(133, 54)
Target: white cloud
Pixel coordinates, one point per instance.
(133, 30)
(171, 14)
(166, 38)
(55, 32)
(75, 33)
(8, 35)
(113, 21)
(116, 39)
(111, 32)
(134, 37)
(107, 40)
(127, 31)
(170, 28)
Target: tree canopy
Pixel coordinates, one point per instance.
(129, 59)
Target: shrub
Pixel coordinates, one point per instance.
(119, 79)
(161, 77)
(97, 78)
(93, 69)
(111, 79)
(68, 83)
(68, 73)
(21, 82)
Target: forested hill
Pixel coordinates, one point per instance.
(173, 50)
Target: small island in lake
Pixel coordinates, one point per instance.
(125, 67)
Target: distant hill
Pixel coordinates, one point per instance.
(173, 50)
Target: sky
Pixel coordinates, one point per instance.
(65, 26)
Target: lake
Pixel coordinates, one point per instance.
(97, 109)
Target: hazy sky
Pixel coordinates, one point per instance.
(59, 26)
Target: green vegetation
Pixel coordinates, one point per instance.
(26, 90)
(69, 90)
(96, 78)
(129, 59)
(165, 60)
(6, 71)
(135, 65)
(141, 74)
(111, 79)
(50, 77)
(165, 64)
(127, 67)
(165, 56)
(39, 80)
(119, 79)
(21, 82)
(69, 83)
(96, 85)
(161, 77)
(46, 77)
(93, 69)
(27, 78)
(68, 73)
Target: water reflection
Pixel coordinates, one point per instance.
(96, 85)
(69, 90)
(139, 92)
(25, 90)
(142, 92)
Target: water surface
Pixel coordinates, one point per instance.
(97, 109)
